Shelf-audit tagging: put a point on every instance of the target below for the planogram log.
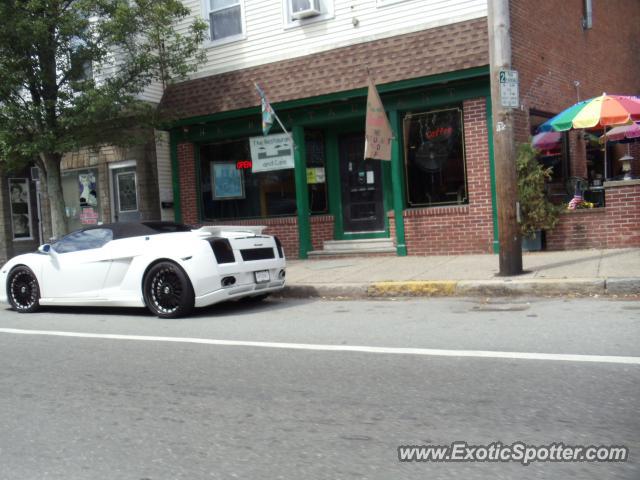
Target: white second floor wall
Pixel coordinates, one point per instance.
(270, 35)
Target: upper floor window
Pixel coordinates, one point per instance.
(225, 19)
(301, 12)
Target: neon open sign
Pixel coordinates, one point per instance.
(243, 164)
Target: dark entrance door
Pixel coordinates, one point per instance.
(361, 180)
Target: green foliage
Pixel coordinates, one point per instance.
(71, 71)
(536, 211)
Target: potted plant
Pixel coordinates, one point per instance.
(537, 213)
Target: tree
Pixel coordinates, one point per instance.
(537, 212)
(71, 72)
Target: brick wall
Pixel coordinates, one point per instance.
(615, 226)
(551, 50)
(461, 229)
(187, 181)
(321, 230)
(443, 49)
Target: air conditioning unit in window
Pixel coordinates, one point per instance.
(305, 8)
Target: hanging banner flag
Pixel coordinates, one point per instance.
(268, 114)
(378, 134)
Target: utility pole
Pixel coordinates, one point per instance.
(504, 151)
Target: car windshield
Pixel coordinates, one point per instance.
(83, 240)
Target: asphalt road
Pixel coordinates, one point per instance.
(143, 408)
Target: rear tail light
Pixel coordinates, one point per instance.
(279, 247)
(222, 250)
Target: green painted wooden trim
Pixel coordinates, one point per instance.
(447, 77)
(330, 114)
(387, 191)
(492, 173)
(175, 177)
(302, 192)
(397, 179)
(333, 181)
(196, 156)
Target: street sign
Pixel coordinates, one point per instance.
(509, 95)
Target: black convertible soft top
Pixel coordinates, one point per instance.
(140, 229)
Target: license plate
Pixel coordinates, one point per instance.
(262, 276)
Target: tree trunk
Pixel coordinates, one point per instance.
(45, 206)
(54, 191)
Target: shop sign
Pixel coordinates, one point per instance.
(243, 164)
(271, 152)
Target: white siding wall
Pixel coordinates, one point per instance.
(165, 186)
(153, 93)
(270, 38)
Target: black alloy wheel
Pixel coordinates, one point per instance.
(23, 290)
(167, 291)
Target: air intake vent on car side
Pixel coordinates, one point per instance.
(222, 250)
(249, 254)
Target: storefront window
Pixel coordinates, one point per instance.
(20, 208)
(316, 172)
(236, 185)
(81, 199)
(434, 157)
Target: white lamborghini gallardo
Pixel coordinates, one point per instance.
(167, 267)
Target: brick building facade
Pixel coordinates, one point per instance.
(439, 74)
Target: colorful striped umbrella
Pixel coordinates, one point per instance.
(603, 111)
(547, 140)
(624, 132)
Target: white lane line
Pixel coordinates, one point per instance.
(341, 348)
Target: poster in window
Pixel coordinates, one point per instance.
(227, 181)
(87, 186)
(20, 210)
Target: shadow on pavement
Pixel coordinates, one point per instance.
(597, 256)
(235, 308)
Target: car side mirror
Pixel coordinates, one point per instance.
(46, 248)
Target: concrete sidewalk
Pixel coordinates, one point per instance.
(578, 272)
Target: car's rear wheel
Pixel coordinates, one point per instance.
(167, 291)
(23, 290)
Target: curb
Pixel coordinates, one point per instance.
(468, 288)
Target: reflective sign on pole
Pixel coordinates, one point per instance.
(509, 96)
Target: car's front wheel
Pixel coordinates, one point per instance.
(23, 290)
(167, 291)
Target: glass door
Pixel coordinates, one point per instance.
(125, 194)
(361, 185)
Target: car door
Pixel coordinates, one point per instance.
(77, 265)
